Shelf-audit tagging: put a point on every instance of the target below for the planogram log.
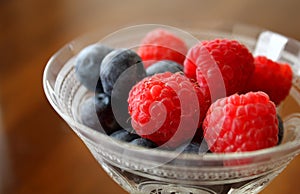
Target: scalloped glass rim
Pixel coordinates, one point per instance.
(290, 148)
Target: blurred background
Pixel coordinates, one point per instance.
(39, 153)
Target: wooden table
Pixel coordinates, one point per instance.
(39, 153)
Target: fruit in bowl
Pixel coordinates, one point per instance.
(168, 125)
(219, 92)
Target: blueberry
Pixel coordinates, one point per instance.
(144, 142)
(164, 66)
(124, 135)
(88, 115)
(87, 66)
(194, 147)
(120, 70)
(115, 63)
(280, 129)
(105, 113)
(96, 113)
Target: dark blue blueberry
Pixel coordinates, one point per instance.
(144, 142)
(105, 114)
(115, 64)
(120, 70)
(164, 66)
(87, 66)
(124, 135)
(88, 115)
(194, 147)
(96, 113)
(198, 146)
(280, 129)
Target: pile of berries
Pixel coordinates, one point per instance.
(215, 96)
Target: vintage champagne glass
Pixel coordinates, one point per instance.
(156, 171)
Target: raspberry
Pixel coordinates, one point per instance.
(240, 123)
(167, 108)
(272, 77)
(159, 45)
(222, 64)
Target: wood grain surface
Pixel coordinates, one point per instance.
(39, 154)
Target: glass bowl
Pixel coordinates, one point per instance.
(156, 171)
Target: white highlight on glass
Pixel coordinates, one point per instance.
(270, 44)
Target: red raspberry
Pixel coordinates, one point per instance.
(224, 65)
(241, 123)
(159, 45)
(167, 108)
(271, 77)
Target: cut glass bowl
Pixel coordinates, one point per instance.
(155, 171)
